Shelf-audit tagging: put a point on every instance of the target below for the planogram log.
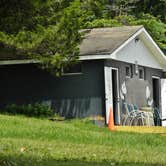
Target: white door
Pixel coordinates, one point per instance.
(163, 100)
(108, 91)
(112, 93)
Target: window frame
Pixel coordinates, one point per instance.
(130, 71)
(64, 73)
(143, 73)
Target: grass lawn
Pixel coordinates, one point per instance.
(40, 142)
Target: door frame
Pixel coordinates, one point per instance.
(163, 104)
(159, 80)
(118, 95)
(108, 91)
(156, 77)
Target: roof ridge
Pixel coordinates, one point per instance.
(86, 30)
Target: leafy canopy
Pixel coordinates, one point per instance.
(45, 30)
(48, 30)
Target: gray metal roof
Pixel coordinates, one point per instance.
(105, 40)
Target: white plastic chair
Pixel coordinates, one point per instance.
(133, 114)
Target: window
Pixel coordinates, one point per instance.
(74, 69)
(128, 71)
(141, 73)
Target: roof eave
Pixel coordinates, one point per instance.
(15, 62)
(94, 57)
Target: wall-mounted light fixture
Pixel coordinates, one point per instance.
(136, 39)
(136, 67)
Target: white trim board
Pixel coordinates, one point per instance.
(108, 91)
(94, 57)
(163, 98)
(156, 77)
(13, 62)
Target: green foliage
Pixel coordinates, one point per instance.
(43, 30)
(154, 26)
(59, 46)
(153, 7)
(121, 7)
(124, 12)
(27, 14)
(48, 30)
(32, 110)
(102, 23)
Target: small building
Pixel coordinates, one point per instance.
(116, 65)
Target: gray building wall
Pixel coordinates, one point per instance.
(79, 95)
(136, 88)
(149, 72)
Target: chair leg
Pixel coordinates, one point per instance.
(131, 122)
(128, 121)
(141, 121)
(125, 119)
(135, 121)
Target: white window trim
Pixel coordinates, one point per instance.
(68, 74)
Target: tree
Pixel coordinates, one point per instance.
(43, 30)
(121, 7)
(153, 7)
(49, 30)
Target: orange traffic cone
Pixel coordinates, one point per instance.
(111, 121)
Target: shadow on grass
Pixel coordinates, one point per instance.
(66, 162)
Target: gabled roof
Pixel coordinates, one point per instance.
(105, 43)
(106, 40)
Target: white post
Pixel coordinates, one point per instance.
(163, 100)
(108, 91)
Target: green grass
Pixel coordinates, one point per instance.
(75, 143)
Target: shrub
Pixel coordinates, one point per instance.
(35, 110)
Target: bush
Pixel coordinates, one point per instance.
(35, 110)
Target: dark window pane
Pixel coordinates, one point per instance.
(73, 69)
(128, 71)
(141, 73)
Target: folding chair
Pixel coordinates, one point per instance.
(146, 115)
(133, 114)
